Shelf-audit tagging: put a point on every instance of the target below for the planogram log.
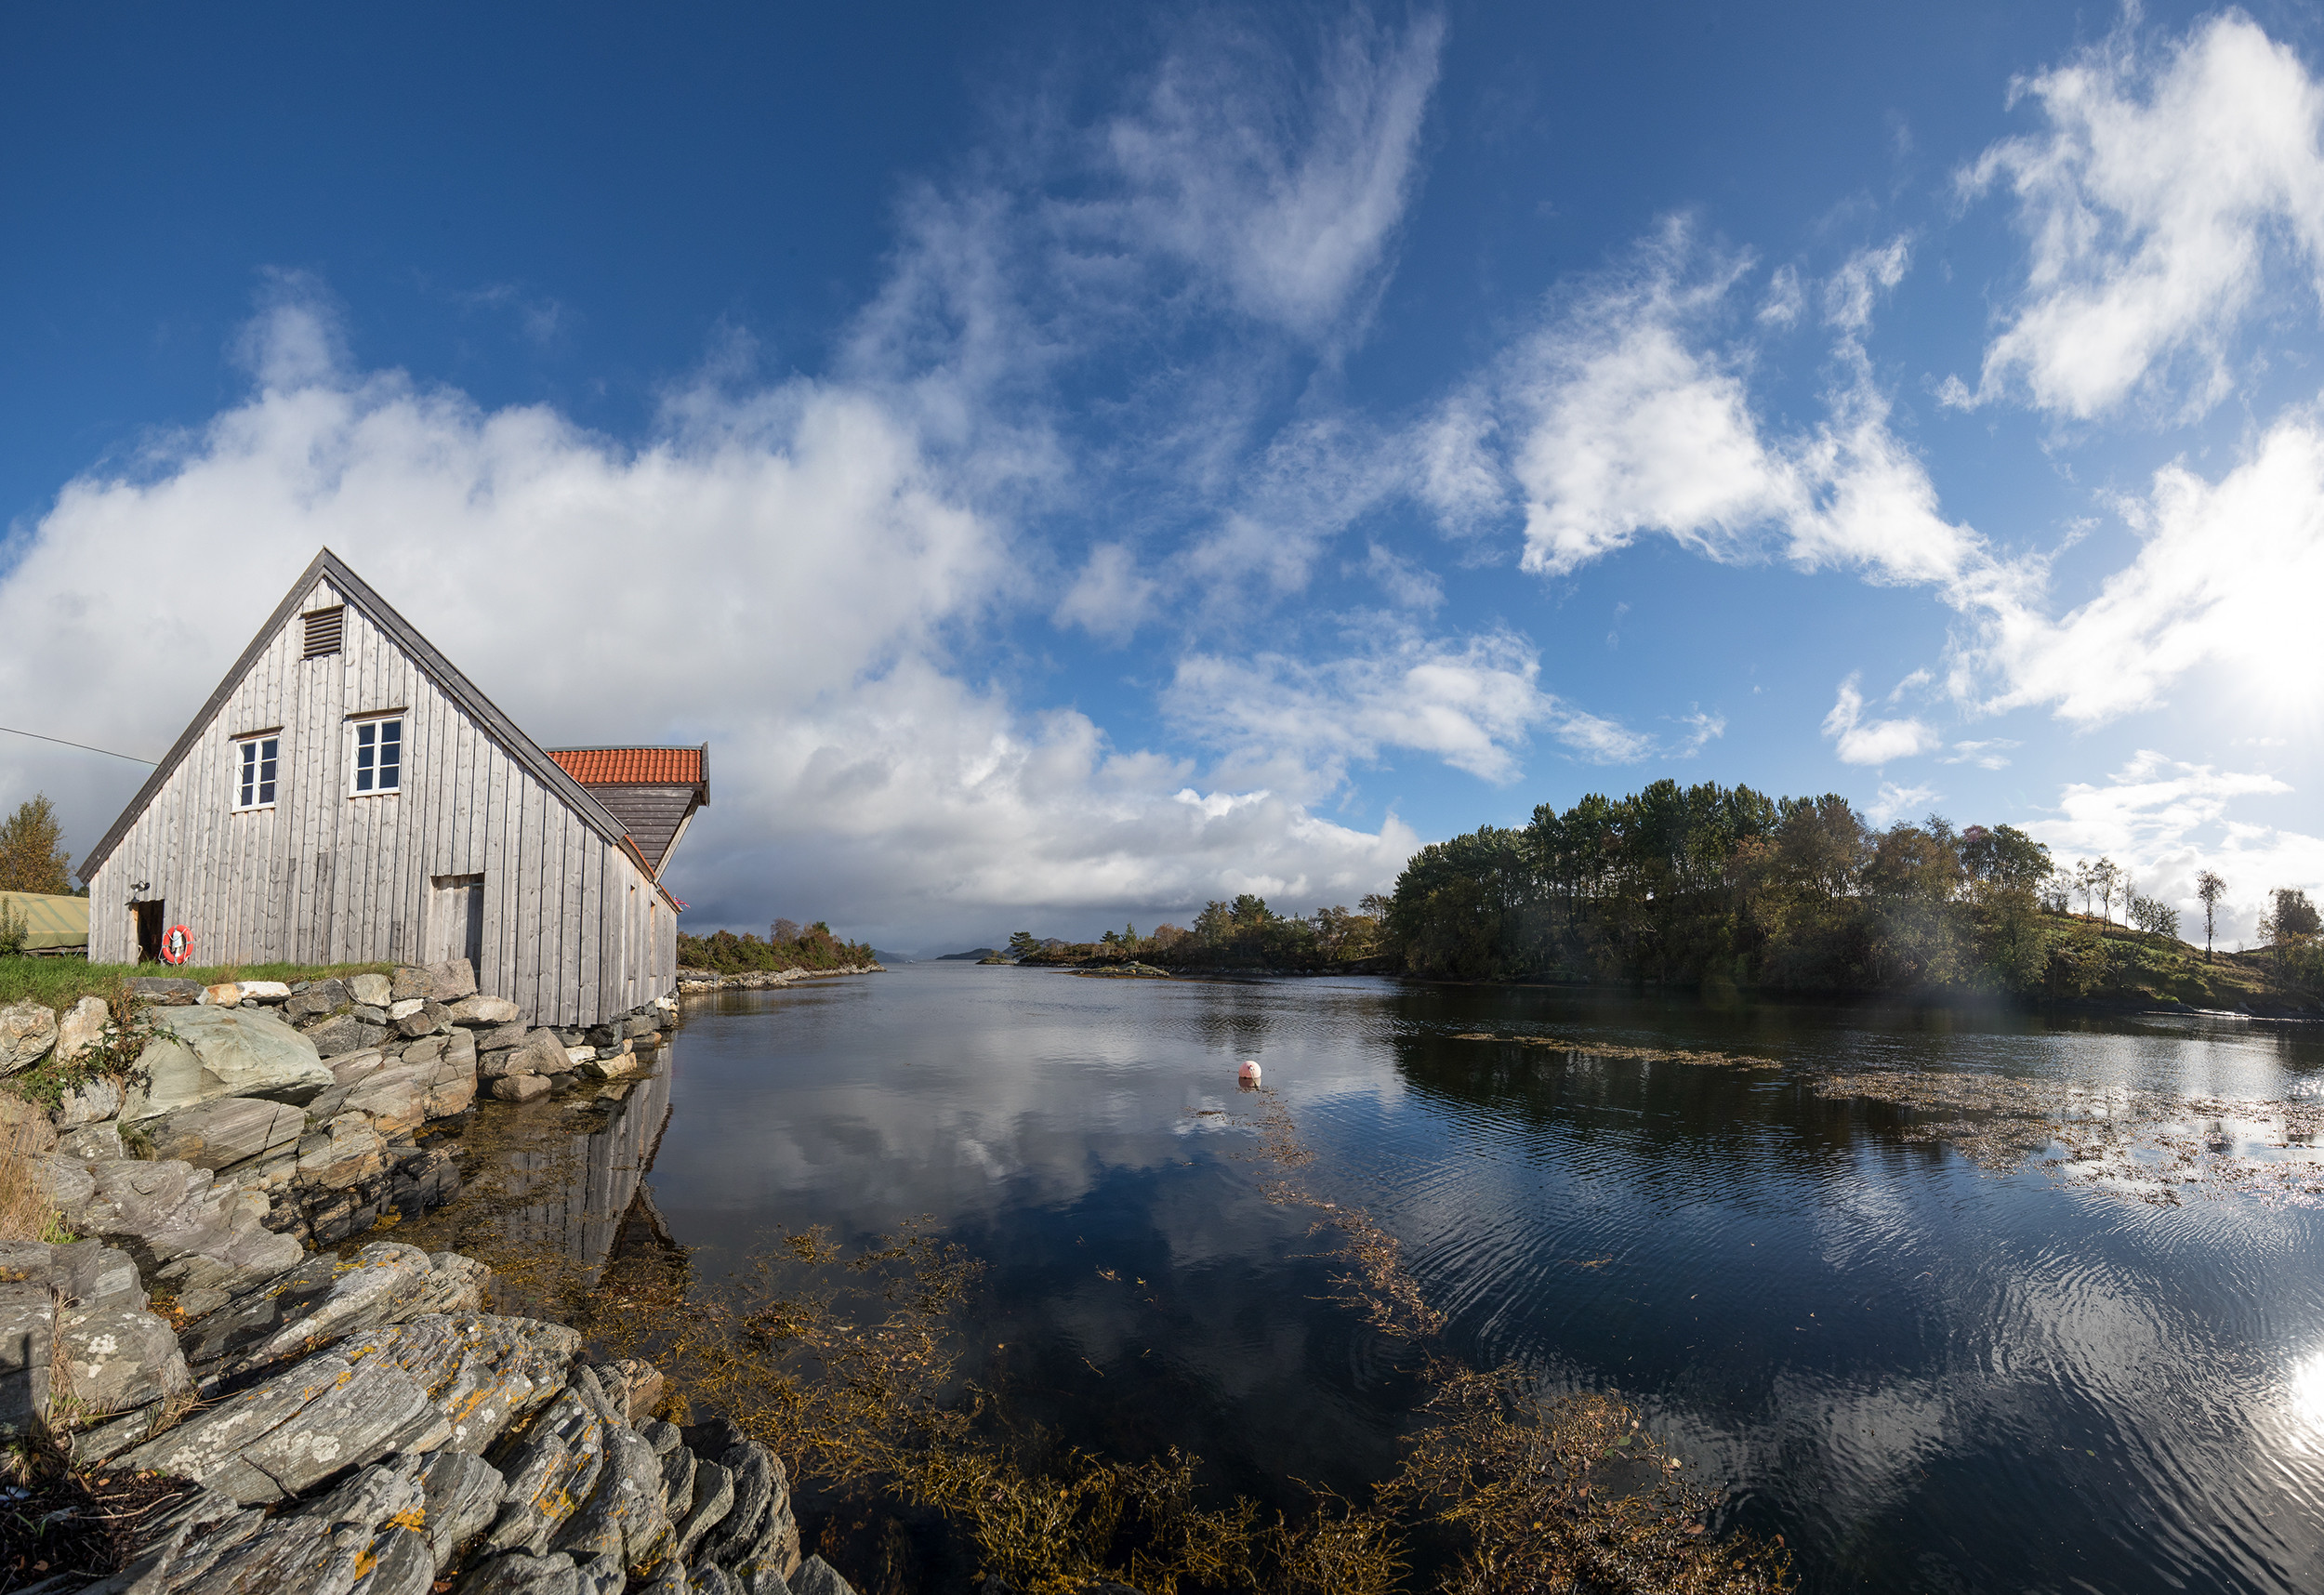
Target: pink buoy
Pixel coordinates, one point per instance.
(1250, 1070)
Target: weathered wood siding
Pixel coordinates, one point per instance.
(574, 932)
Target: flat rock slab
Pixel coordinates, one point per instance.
(164, 991)
(326, 1299)
(211, 1052)
(228, 1130)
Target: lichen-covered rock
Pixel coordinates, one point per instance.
(624, 1516)
(463, 1496)
(93, 1143)
(28, 1034)
(76, 1339)
(483, 1373)
(211, 1052)
(288, 1434)
(80, 1027)
(324, 1298)
(115, 1358)
(226, 1132)
(551, 1470)
(371, 990)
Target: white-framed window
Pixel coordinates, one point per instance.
(378, 764)
(256, 761)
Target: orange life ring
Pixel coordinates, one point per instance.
(176, 944)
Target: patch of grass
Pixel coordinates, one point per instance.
(61, 982)
(25, 1211)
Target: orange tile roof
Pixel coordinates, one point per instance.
(631, 766)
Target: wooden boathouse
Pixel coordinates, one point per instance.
(348, 796)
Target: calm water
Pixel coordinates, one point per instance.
(1923, 1375)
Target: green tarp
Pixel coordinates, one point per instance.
(55, 922)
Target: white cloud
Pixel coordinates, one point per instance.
(1408, 586)
(1893, 803)
(2169, 821)
(2150, 202)
(1109, 599)
(1628, 424)
(1989, 754)
(1785, 299)
(1286, 191)
(1630, 421)
(1456, 474)
(2227, 572)
(1849, 295)
(1874, 742)
(1473, 702)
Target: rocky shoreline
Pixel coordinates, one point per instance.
(693, 982)
(357, 1424)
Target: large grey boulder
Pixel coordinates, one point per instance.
(117, 1357)
(28, 1033)
(343, 1033)
(94, 1098)
(188, 1232)
(317, 998)
(371, 990)
(205, 1053)
(77, 1342)
(80, 1027)
(816, 1577)
(229, 1131)
(485, 1013)
(519, 1087)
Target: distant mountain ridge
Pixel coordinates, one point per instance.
(972, 956)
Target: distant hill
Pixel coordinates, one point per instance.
(972, 956)
(880, 957)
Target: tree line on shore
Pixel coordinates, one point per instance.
(1713, 887)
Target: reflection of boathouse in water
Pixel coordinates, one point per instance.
(555, 1191)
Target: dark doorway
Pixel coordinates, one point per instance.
(149, 918)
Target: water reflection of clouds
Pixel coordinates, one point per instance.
(1975, 1341)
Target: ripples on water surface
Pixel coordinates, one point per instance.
(1923, 1374)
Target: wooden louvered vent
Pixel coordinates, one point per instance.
(324, 627)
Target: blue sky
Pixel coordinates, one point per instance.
(1074, 464)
